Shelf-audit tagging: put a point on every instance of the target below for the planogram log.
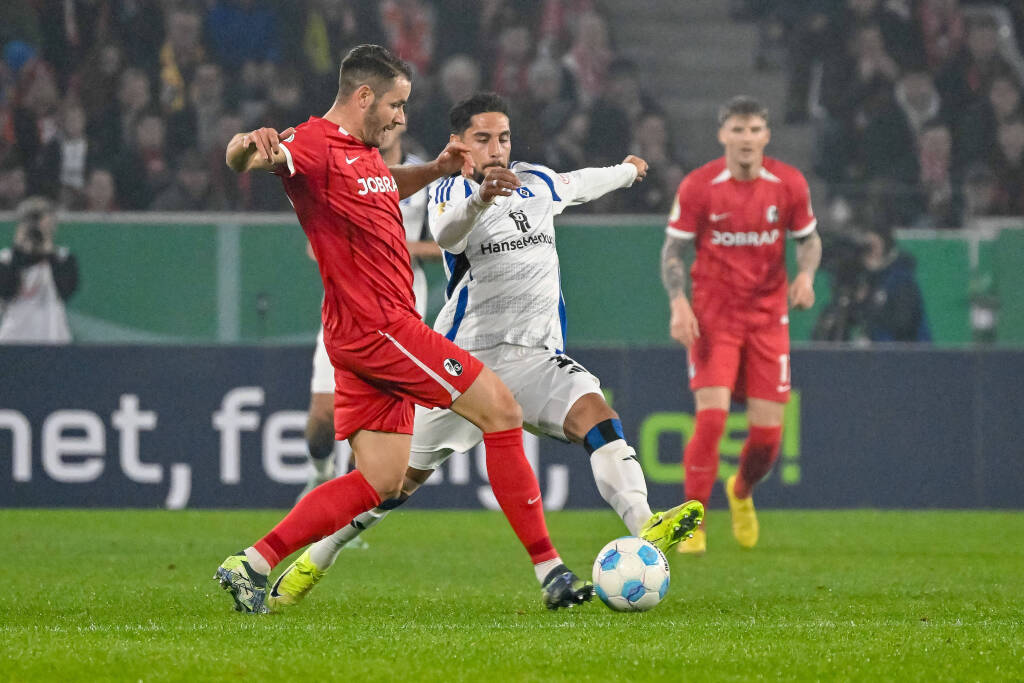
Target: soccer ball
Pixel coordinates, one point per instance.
(630, 575)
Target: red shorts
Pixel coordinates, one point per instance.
(751, 360)
(379, 378)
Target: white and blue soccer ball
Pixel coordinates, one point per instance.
(631, 575)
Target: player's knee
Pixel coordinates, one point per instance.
(505, 412)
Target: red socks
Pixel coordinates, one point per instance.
(759, 454)
(518, 493)
(700, 458)
(321, 512)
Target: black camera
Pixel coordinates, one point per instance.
(33, 229)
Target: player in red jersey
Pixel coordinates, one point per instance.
(386, 359)
(737, 211)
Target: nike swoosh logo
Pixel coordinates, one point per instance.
(533, 500)
(715, 217)
(352, 160)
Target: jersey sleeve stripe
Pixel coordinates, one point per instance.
(547, 179)
(804, 232)
(679, 234)
(469, 190)
(288, 159)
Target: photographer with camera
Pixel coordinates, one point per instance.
(36, 278)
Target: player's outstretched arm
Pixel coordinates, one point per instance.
(259, 149)
(591, 183)
(808, 258)
(411, 179)
(683, 323)
(453, 220)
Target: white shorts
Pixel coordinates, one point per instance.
(322, 381)
(544, 383)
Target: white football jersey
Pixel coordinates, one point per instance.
(503, 277)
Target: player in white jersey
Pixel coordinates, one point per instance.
(320, 420)
(504, 304)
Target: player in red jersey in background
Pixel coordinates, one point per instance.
(386, 359)
(737, 211)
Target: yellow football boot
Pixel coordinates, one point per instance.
(744, 517)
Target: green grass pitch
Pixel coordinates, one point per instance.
(450, 596)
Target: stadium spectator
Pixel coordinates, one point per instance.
(918, 97)
(36, 278)
(976, 132)
(191, 189)
(1009, 168)
(99, 83)
(943, 203)
(890, 305)
(616, 112)
(13, 187)
(144, 169)
(252, 90)
(736, 332)
(285, 104)
(324, 29)
(942, 29)
(114, 133)
(242, 30)
(590, 56)
(567, 139)
(458, 79)
(652, 142)
(35, 125)
(409, 28)
(548, 96)
(981, 193)
(100, 192)
(197, 121)
(966, 77)
(180, 55)
(71, 153)
(512, 62)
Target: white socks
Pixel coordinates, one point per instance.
(257, 561)
(324, 552)
(620, 480)
(542, 569)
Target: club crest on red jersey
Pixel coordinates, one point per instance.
(452, 367)
(772, 214)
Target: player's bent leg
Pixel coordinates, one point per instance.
(383, 458)
(302, 575)
(759, 454)
(320, 440)
(617, 472)
(489, 405)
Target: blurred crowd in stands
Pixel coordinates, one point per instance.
(916, 104)
(110, 105)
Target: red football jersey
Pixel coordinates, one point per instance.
(347, 203)
(740, 228)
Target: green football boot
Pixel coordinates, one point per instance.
(294, 583)
(247, 586)
(665, 529)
